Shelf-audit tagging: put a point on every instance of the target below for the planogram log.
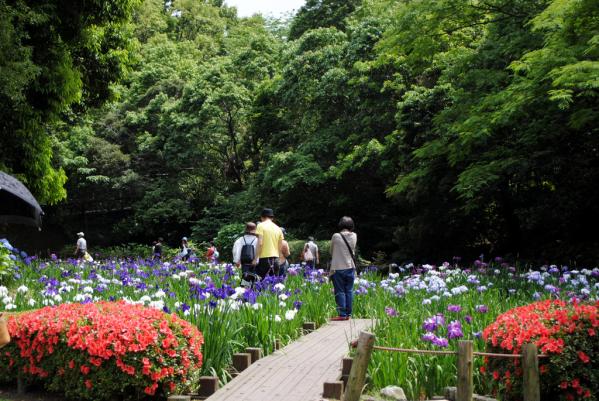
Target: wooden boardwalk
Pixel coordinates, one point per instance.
(298, 371)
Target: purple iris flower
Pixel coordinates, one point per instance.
(432, 323)
(391, 312)
(428, 337)
(481, 308)
(468, 319)
(454, 330)
(440, 342)
(454, 308)
(297, 305)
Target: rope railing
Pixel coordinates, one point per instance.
(438, 352)
(464, 364)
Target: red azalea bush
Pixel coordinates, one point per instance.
(104, 350)
(566, 332)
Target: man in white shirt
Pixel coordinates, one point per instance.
(81, 246)
(245, 250)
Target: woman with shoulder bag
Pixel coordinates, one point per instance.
(343, 265)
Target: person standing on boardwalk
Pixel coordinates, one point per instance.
(244, 254)
(270, 240)
(310, 254)
(343, 264)
(81, 246)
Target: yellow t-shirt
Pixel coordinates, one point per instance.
(271, 236)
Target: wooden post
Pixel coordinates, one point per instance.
(465, 367)
(208, 386)
(357, 375)
(241, 361)
(346, 365)
(333, 390)
(256, 353)
(309, 327)
(530, 370)
(277, 344)
(345, 369)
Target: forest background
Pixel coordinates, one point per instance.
(445, 128)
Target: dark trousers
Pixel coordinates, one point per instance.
(268, 267)
(343, 283)
(248, 275)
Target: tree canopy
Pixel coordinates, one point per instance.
(441, 127)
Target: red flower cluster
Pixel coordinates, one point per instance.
(97, 351)
(565, 332)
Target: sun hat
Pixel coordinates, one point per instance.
(267, 213)
(184, 239)
(80, 234)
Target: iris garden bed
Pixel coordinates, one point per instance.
(426, 307)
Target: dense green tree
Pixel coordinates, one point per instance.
(441, 127)
(321, 14)
(53, 57)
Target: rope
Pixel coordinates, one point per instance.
(434, 352)
(417, 351)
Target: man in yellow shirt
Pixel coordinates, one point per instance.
(270, 240)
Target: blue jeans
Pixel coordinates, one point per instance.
(343, 283)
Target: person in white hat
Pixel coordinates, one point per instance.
(81, 246)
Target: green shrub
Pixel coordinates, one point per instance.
(226, 238)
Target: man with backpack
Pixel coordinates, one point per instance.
(244, 254)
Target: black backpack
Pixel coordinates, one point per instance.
(248, 253)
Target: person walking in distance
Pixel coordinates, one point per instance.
(343, 264)
(270, 240)
(283, 255)
(244, 254)
(157, 249)
(81, 246)
(310, 253)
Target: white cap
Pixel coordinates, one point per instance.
(80, 234)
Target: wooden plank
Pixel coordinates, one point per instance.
(530, 369)
(296, 372)
(465, 366)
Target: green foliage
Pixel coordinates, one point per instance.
(436, 125)
(225, 239)
(321, 13)
(53, 59)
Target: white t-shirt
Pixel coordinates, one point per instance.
(82, 244)
(250, 240)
